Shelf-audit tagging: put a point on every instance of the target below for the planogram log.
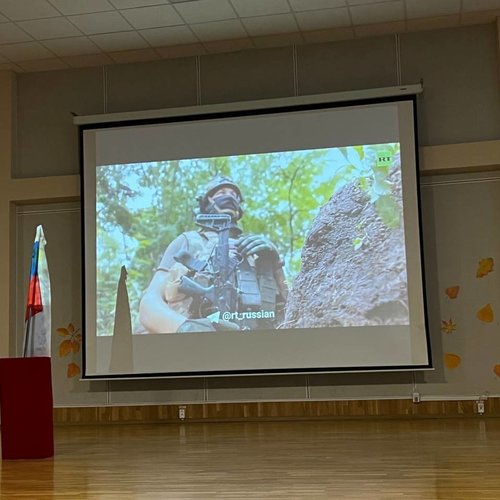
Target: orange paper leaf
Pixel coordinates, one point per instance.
(78, 337)
(484, 267)
(448, 326)
(65, 348)
(452, 291)
(63, 332)
(485, 314)
(75, 346)
(71, 328)
(451, 360)
(496, 369)
(73, 370)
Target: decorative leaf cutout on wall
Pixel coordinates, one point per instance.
(496, 370)
(451, 361)
(485, 314)
(70, 345)
(452, 291)
(448, 326)
(73, 370)
(65, 348)
(484, 267)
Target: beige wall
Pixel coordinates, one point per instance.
(16, 191)
(7, 101)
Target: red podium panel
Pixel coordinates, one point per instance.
(27, 426)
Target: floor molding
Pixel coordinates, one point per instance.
(268, 411)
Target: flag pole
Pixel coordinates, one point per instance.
(26, 335)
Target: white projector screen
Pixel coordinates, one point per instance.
(266, 241)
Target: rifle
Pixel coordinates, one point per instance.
(222, 294)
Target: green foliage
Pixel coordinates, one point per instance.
(142, 207)
(362, 164)
(388, 210)
(370, 167)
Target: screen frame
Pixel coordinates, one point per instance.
(255, 108)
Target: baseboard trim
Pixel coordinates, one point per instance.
(269, 411)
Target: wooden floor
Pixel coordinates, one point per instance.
(357, 459)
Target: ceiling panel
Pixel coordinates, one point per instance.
(152, 17)
(103, 22)
(70, 7)
(54, 27)
(79, 45)
(244, 8)
(366, 2)
(378, 13)
(173, 35)
(112, 42)
(10, 33)
(205, 10)
(20, 10)
(220, 30)
(299, 5)
(126, 30)
(129, 4)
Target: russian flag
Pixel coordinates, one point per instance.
(37, 336)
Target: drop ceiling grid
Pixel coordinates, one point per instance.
(81, 32)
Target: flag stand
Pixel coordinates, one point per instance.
(26, 408)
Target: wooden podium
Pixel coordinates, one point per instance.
(26, 408)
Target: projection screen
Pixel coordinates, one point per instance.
(272, 240)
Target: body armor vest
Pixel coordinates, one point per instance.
(252, 277)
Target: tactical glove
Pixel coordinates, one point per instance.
(256, 244)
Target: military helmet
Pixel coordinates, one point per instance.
(217, 182)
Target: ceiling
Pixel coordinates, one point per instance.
(40, 35)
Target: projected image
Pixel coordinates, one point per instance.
(270, 241)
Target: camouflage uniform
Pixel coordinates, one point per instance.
(261, 288)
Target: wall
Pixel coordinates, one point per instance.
(459, 69)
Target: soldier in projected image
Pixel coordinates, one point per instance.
(216, 278)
